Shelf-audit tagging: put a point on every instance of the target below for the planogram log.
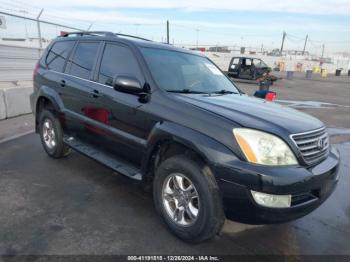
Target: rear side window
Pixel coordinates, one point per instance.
(56, 58)
(83, 59)
(235, 61)
(118, 60)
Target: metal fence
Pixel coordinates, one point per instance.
(26, 31)
(22, 40)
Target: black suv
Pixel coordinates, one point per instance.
(171, 119)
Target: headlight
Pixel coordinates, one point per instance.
(264, 148)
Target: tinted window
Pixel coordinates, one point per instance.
(175, 71)
(259, 63)
(118, 60)
(58, 54)
(235, 61)
(83, 59)
(248, 62)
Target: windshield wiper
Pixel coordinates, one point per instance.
(186, 91)
(223, 92)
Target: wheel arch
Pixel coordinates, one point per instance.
(168, 139)
(46, 98)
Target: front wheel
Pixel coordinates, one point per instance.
(187, 197)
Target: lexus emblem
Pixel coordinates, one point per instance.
(321, 143)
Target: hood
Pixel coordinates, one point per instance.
(254, 113)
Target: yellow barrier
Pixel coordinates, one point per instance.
(324, 72)
(316, 69)
(281, 65)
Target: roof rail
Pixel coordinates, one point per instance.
(100, 33)
(88, 33)
(132, 36)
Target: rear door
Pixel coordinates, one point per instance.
(55, 61)
(78, 88)
(246, 68)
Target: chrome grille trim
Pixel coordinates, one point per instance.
(309, 145)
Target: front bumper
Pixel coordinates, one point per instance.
(309, 188)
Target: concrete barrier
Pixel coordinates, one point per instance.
(17, 100)
(2, 105)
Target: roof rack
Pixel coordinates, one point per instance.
(99, 33)
(132, 36)
(88, 33)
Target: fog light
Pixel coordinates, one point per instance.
(275, 201)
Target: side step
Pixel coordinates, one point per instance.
(112, 162)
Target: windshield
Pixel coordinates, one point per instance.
(259, 63)
(181, 72)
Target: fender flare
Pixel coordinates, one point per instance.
(210, 150)
(51, 95)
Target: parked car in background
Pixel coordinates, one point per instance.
(248, 68)
(169, 118)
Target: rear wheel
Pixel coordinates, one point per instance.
(51, 135)
(187, 197)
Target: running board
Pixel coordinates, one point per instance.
(112, 162)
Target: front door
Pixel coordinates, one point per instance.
(121, 121)
(246, 68)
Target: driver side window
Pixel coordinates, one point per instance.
(257, 63)
(118, 60)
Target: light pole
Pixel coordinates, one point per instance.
(25, 21)
(39, 30)
(167, 32)
(305, 44)
(282, 45)
(89, 28)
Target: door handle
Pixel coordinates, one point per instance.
(63, 83)
(95, 93)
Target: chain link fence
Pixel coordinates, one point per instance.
(22, 40)
(25, 31)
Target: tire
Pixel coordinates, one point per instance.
(57, 148)
(210, 216)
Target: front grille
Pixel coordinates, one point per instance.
(313, 145)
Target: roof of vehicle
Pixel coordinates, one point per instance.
(249, 57)
(135, 40)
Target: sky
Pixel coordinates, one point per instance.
(253, 23)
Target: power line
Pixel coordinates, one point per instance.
(326, 41)
(24, 3)
(293, 40)
(295, 37)
(17, 8)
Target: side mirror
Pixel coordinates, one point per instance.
(127, 84)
